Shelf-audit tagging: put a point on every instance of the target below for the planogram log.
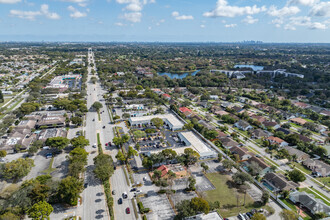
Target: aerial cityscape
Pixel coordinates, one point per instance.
(164, 110)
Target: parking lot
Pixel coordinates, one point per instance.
(181, 195)
(202, 183)
(159, 204)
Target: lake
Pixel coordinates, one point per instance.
(253, 67)
(178, 75)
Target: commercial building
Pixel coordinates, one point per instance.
(65, 81)
(170, 120)
(191, 140)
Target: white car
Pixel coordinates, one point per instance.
(94, 145)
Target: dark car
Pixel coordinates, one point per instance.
(85, 185)
(120, 201)
(133, 189)
(249, 214)
(128, 210)
(103, 126)
(114, 167)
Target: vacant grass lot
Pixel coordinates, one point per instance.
(228, 196)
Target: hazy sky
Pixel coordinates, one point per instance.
(165, 20)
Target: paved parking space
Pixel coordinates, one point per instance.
(181, 195)
(214, 166)
(160, 206)
(202, 183)
(61, 164)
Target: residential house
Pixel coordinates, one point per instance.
(300, 155)
(214, 97)
(259, 133)
(325, 112)
(278, 141)
(279, 181)
(186, 111)
(258, 118)
(215, 108)
(301, 105)
(284, 130)
(243, 125)
(265, 168)
(221, 113)
(298, 121)
(206, 125)
(309, 202)
(271, 124)
(228, 142)
(318, 167)
(242, 152)
(166, 96)
(221, 134)
(304, 138)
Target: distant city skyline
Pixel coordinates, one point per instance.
(300, 21)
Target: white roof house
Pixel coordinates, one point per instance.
(192, 141)
(169, 119)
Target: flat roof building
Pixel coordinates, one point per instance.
(191, 140)
(169, 119)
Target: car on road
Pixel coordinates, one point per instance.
(113, 192)
(103, 127)
(128, 211)
(49, 155)
(85, 185)
(94, 145)
(125, 195)
(120, 201)
(133, 189)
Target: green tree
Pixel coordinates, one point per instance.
(69, 190)
(240, 178)
(258, 216)
(103, 167)
(219, 157)
(200, 205)
(158, 122)
(296, 176)
(32, 150)
(227, 164)
(192, 183)
(130, 153)
(57, 142)
(120, 156)
(1, 97)
(17, 169)
(190, 157)
(264, 197)
(204, 166)
(40, 210)
(77, 120)
(79, 141)
(3, 153)
(97, 106)
(289, 215)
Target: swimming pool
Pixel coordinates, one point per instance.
(268, 186)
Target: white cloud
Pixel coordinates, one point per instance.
(134, 7)
(31, 15)
(177, 16)
(285, 11)
(75, 1)
(202, 26)
(75, 13)
(119, 24)
(222, 9)
(9, 1)
(278, 22)
(321, 10)
(303, 2)
(304, 21)
(230, 25)
(160, 21)
(250, 20)
(133, 16)
(149, 28)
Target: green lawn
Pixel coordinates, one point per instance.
(307, 190)
(294, 208)
(324, 180)
(5, 101)
(50, 168)
(228, 196)
(302, 167)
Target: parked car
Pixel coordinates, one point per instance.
(113, 192)
(94, 145)
(85, 185)
(49, 155)
(120, 201)
(128, 211)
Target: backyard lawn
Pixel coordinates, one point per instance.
(228, 196)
